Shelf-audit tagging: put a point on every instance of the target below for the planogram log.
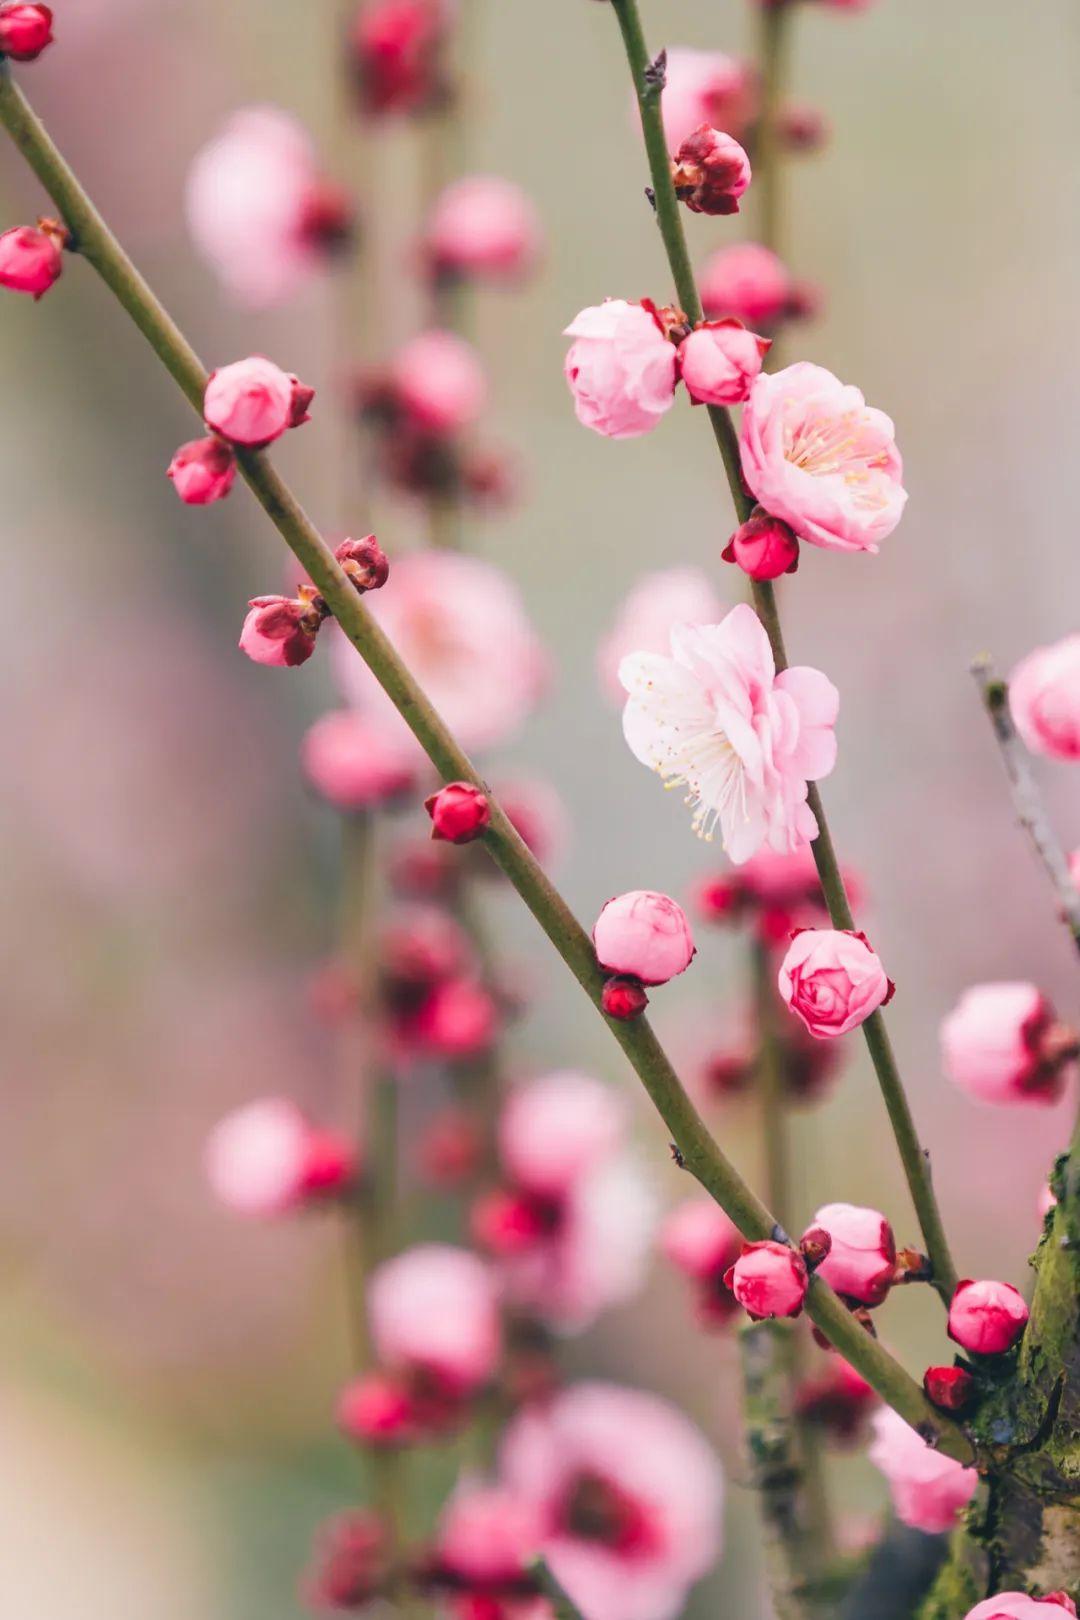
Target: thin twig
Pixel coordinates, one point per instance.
(563, 1606)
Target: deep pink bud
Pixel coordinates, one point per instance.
(439, 382)
(25, 30)
(267, 1158)
(861, 1260)
(377, 1410)
(623, 998)
(769, 1279)
(355, 762)
(711, 172)
(506, 1223)
(1002, 1043)
(252, 402)
(365, 562)
(951, 1388)
(719, 361)
(459, 813)
(700, 1239)
(763, 547)
(644, 935)
(482, 226)
(748, 281)
(396, 48)
(350, 1563)
(422, 946)
(986, 1317)
(327, 218)
(721, 899)
(280, 630)
(459, 1019)
(202, 471)
(31, 257)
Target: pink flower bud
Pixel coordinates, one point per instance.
(486, 1539)
(1044, 699)
(422, 946)
(280, 630)
(439, 382)
(951, 1388)
(620, 369)
(722, 898)
(763, 547)
(705, 87)
(719, 361)
(747, 281)
(928, 1489)
(266, 1158)
(623, 998)
(25, 30)
(459, 1019)
(203, 471)
(252, 402)
(459, 813)
(433, 1310)
(986, 1317)
(396, 47)
(506, 1223)
(1002, 1044)
(832, 980)
(769, 1279)
(31, 258)
(365, 562)
(1016, 1606)
(711, 172)
(485, 227)
(862, 1259)
(700, 1239)
(355, 763)
(376, 1410)
(837, 1400)
(645, 935)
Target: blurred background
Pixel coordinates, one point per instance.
(168, 1372)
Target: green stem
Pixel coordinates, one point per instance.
(699, 1152)
(648, 86)
(562, 1604)
(771, 1091)
(768, 168)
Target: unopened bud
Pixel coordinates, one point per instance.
(814, 1246)
(31, 257)
(25, 30)
(711, 172)
(459, 813)
(763, 547)
(281, 630)
(202, 471)
(623, 997)
(365, 562)
(951, 1388)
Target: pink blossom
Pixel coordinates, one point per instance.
(647, 616)
(438, 379)
(259, 208)
(458, 1019)
(252, 402)
(433, 1310)
(769, 1279)
(31, 258)
(203, 471)
(711, 172)
(1044, 699)
(705, 87)
(555, 1130)
(815, 454)
(621, 369)
(748, 282)
(377, 1410)
(719, 361)
(1002, 1044)
(460, 626)
(482, 226)
(25, 30)
(862, 1260)
(986, 1317)
(628, 1495)
(1016, 1606)
(355, 764)
(267, 1158)
(280, 631)
(744, 741)
(644, 934)
(833, 980)
(928, 1489)
(486, 1539)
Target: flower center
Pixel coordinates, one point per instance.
(596, 1509)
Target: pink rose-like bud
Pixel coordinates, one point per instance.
(376, 1410)
(350, 1564)
(763, 547)
(1003, 1044)
(951, 1388)
(203, 471)
(862, 1259)
(645, 935)
(355, 764)
(280, 630)
(832, 980)
(1044, 699)
(438, 380)
(267, 1158)
(711, 172)
(769, 1279)
(719, 361)
(928, 1489)
(25, 30)
(485, 227)
(31, 258)
(623, 998)
(459, 813)
(1016, 1606)
(252, 402)
(365, 562)
(746, 281)
(621, 369)
(986, 1317)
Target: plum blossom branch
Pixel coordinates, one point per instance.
(1028, 802)
(699, 1152)
(648, 79)
(562, 1604)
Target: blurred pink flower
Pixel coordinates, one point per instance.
(621, 369)
(815, 454)
(1044, 699)
(266, 1158)
(356, 763)
(928, 1489)
(747, 282)
(482, 226)
(647, 615)
(628, 1495)
(486, 1538)
(433, 1311)
(1002, 1044)
(704, 1244)
(439, 381)
(744, 740)
(705, 87)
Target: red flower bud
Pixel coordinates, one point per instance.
(763, 547)
(459, 813)
(506, 1223)
(948, 1387)
(202, 471)
(623, 997)
(814, 1246)
(281, 630)
(376, 1410)
(711, 172)
(350, 1564)
(769, 1279)
(327, 218)
(25, 30)
(31, 258)
(365, 562)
